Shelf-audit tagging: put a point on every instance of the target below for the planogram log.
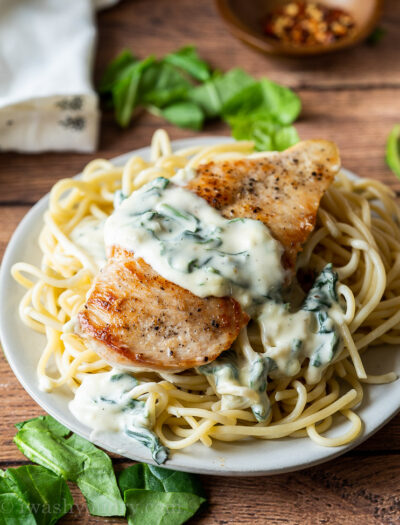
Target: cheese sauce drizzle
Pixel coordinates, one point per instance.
(189, 243)
(106, 402)
(288, 338)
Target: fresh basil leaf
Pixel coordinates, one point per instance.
(15, 509)
(260, 130)
(264, 131)
(132, 477)
(184, 115)
(139, 476)
(173, 481)
(187, 59)
(241, 128)
(274, 101)
(97, 479)
(46, 494)
(125, 91)
(163, 88)
(115, 70)
(263, 136)
(393, 150)
(147, 507)
(48, 422)
(231, 83)
(161, 84)
(286, 137)
(214, 94)
(150, 477)
(282, 103)
(44, 441)
(152, 482)
(155, 495)
(206, 96)
(245, 102)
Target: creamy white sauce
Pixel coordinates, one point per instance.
(99, 402)
(106, 402)
(89, 236)
(289, 338)
(188, 242)
(280, 330)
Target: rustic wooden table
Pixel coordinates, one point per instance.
(352, 98)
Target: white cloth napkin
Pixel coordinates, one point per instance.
(47, 101)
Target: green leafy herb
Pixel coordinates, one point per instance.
(132, 477)
(318, 301)
(97, 480)
(123, 375)
(149, 477)
(149, 439)
(285, 137)
(115, 70)
(182, 89)
(259, 370)
(224, 368)
(172, 480)
(15, 509)
(162, 84)
(266, 134)
(154, 508)
(325, 352)
(33, 495)
(323, 292)
(213, 95)
(44, 441)
(393, 150)
(262, 112)
(282, 103)
(155, 495)
(125, 91)
(187, 59)
(278, 102)
(245, 102)
(184, 115)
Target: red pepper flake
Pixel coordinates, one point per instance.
(308, 23)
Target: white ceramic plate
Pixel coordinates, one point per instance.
(23, 347)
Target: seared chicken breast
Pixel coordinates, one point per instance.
(138, 318)
(283, 190)
(135, 318)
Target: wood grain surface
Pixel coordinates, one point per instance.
(352, 98)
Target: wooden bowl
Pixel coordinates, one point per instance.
(245, 21)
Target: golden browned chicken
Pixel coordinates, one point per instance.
(283, 190)
(139, 318)
(135, 318)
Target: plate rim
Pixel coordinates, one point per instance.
(82, 430)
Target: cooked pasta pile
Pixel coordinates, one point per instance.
(357, 230)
